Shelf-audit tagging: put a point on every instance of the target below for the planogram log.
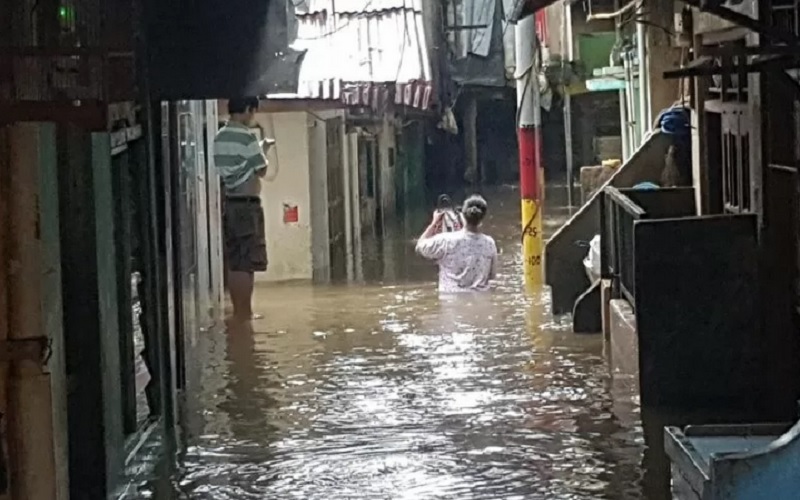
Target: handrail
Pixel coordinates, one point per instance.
(623, 201)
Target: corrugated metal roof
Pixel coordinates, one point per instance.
(304, 7)
(363, 42)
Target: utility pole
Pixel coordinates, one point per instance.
(531, 177)
(567, 56)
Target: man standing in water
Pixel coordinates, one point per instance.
(241, 162)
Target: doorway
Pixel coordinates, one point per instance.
(337, 239)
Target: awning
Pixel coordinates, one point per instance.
(526, 8)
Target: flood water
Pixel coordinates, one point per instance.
(383, 391)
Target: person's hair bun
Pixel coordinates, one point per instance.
(474, 209)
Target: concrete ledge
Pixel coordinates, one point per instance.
(605, 308)
(624, 344)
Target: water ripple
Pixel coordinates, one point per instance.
(384, 391)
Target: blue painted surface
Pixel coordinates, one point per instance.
(739, 465)
(771, 473)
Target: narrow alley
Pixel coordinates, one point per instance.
(382, 391)
(219, 277)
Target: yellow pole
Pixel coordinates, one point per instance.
(532, 243)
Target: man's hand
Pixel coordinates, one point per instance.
(438, 215)
(266, 144)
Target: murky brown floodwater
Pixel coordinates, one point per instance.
(382, 391)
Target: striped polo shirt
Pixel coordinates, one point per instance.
(237, 155)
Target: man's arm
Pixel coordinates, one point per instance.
(257, 159)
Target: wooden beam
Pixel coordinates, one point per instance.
(705, 68)
(30, 414)
(769, 32)
(5, 194)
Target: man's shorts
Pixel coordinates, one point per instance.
(245, 240)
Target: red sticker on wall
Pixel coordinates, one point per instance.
(290, 214)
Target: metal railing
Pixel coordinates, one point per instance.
(618, 215)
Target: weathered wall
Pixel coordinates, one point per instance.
(580, 26)
(387, 144)
(694, 303)
(661, 56)
(34, 418)
(288, 245)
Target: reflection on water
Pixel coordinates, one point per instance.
(382, 390)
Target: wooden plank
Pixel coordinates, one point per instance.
(5, 193)
(696, 313)
(52, 309)
(30, 418)
(108, 304)
(120, 167)
(81, 314)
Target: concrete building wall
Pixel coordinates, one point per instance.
(298, 177)
(288, 244)
(580, 26)
(661, 56)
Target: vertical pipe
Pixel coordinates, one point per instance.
(631, 120)
(529, 136)
(644, 90)
(623, 121)
(567, 56)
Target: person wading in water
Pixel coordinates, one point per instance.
(241, 162)
(467, 258)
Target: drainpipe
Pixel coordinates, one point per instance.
(644, 90)
(630, 112)
(617, 55)
(623, 121)
(567, 56)
(530, 143)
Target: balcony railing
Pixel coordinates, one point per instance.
(618, 216)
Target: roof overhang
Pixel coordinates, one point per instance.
(525, 8)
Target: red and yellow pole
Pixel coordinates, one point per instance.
(531, 173)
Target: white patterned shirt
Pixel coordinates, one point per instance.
(467, 260)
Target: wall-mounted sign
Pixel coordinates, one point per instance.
(291, 214)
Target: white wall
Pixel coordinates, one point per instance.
(300, 251)
(288, 245)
